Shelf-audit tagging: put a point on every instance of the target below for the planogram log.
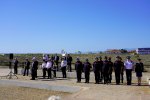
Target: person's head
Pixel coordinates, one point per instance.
(106, 57)
(27, 59)
(86, 60)
(100, 58)
(33, 59)
(68, 55)
(128, 57)
(78, 59)
(109, 58)
(118, 58)
(139, 59)
(96, 58)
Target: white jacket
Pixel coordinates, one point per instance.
(63, 63)
(43, 65)
(49, 65)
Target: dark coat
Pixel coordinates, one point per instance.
(16, 63)
(69, 60)
(35, 65)
(79, 66)
(56, 58)
(87, 67)
(101, 65)
(96, 66)
(139, 67)
(27, 64)
(110, 67)
(117, 66)
(105, 66)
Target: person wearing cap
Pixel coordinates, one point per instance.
(128, 67)
(110, 69)
(69, 61)
(79, 69)
(63, 67)
(34, 68)
(87, 67)
(96, 69)
(44, 68)
(106, 70)
(27, 67)
(139, 68)
(117, 69)
(16, 66)
(49, 66)
(101, 69)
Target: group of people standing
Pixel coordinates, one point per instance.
(103, 70)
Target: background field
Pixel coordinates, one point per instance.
(21, 57)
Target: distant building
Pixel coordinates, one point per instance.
(113, 51)
(143, 50)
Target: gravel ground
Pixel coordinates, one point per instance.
(92, 91)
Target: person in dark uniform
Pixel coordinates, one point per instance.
(27, 67)
(69, 61)
(101, 69)
(139, 68)
(16, 66)
(106, 70)
(79, 69)
(96, 69)
(110, 70)
(34, 68)
(122, 71)
(117, 69)
(87, 67)
(56, 60)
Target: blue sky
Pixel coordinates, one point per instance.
(48, 26)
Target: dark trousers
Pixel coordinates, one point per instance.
(117, 76)
(122, 78)
(101, 76)
(49, 73)
(26, 70)
(44, 72)
(15, 70)
(33, 74)
(129, 76)
(36, 73)
(54, 71)
(87, 77)
(97, 77)
(56, 62)
(106, 77)
(64, 72)
(79, 76)
(69, 67)
(110, 77)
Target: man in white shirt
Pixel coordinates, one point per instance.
(129, 66)
(44, 68)
(49, 66)
(63, 67)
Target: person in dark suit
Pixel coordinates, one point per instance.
(69, 61)
(96, 68)
(27, 67)
(16, 66)
(139, 68)
(34, 68)
(110, 69)
(79, 69)
(56, 60)
(87, 67)
(101, 69)
(122, 71)
(106, 70)
(117, 69)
